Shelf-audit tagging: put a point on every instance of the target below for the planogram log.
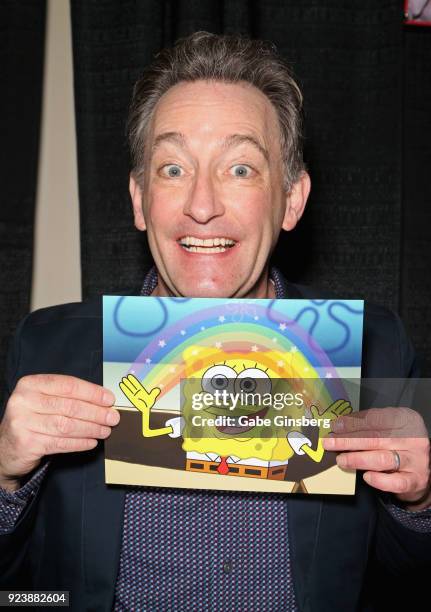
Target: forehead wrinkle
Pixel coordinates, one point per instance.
(236, 139)
(174, 137)
(232, 140)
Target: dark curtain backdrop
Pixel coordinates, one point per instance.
(22, 35)
(415, 273)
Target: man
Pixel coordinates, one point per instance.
(217, 172)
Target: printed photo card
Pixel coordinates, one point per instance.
(230, 394)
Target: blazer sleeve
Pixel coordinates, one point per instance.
(15, 542)
(399, 548)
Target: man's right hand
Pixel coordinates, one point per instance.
(48, 414)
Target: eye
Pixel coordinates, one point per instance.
(241, 170)
(172, 170)
(253, 380)
(218, 378)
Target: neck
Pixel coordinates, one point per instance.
(263, 289)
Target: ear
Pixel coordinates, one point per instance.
(136, 195)
(296, 200)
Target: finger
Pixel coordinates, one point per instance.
(61, 426)
(67, 386)
(377, 461)
(134, 382)
(365, 433)
(335, 405)
(352, 443)
(399, 482)
(154, 393)
(381, 419)
(131, 395)
(130, 386)
(314, 411)
(343, 407)
(51, 445)
(371, 441)
(76, 409)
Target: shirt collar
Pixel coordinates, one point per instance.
(150, 282)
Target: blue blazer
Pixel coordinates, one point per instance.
(69, 535)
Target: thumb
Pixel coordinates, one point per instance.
(154, 394)
(314, 411)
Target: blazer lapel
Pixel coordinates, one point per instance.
(102, 516)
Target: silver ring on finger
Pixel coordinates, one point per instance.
(397, 462)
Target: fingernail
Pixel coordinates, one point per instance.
(328, 442)
(337, 425)
(108, 398)
(113, 417)
(341, 461)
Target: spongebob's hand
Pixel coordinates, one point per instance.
(298, 442)
(333, 411)
(143, 401)
(177, 424)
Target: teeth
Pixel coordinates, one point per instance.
(195, 249)
(190, 241)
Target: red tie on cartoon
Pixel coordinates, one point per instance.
(223, 467)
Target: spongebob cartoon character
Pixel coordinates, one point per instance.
(244, 447)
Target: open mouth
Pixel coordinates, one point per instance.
(206, 245)
(238, 429)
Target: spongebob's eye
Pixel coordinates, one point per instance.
(218, 378)
(253, 380)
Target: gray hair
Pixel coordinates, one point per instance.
(229, 58)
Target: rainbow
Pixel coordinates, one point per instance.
(161, 362)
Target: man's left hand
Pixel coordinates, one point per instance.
(371, 436)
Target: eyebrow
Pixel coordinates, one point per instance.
(232, 140)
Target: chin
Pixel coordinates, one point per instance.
(210, 290)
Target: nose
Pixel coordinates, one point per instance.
(203, 203)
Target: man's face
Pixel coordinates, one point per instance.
(213, 173)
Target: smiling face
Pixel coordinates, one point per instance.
(207, 370)
(213, 201)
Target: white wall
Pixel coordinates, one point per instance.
(56, 268)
